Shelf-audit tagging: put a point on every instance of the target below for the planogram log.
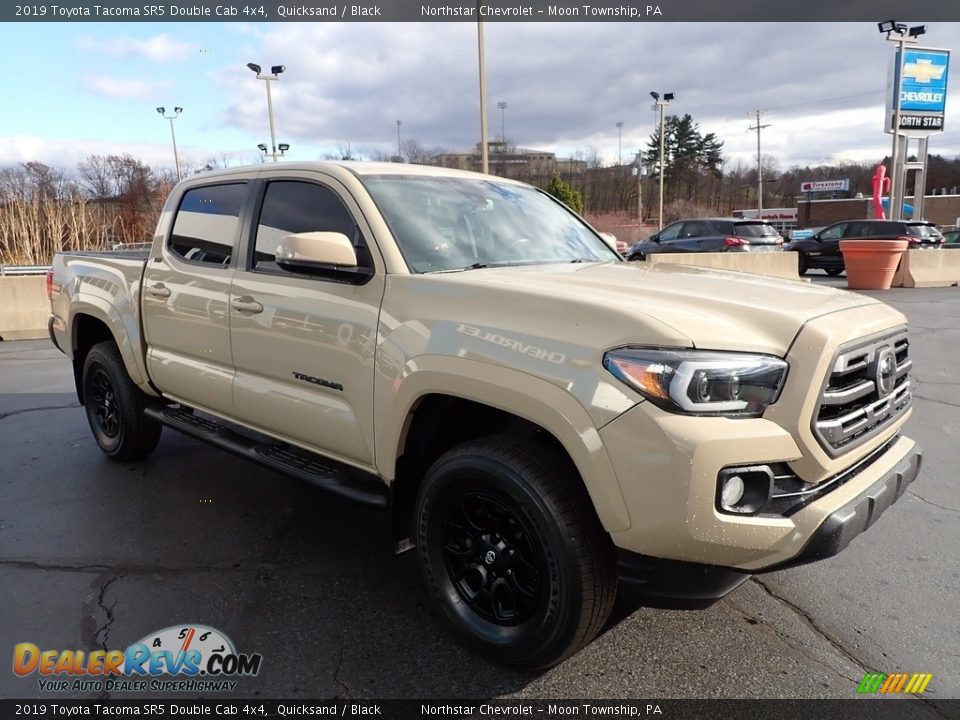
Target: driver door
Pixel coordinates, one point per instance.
(303, 345)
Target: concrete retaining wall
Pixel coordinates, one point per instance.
(928, 268)
(778, 264)
(24, 307)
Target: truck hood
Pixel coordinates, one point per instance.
(714, 309)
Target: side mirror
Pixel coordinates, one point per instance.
(654, 238)
(316, 252)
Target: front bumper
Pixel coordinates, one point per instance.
(858, 514)
(701, 583)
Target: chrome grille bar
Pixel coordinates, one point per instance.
(852, 406)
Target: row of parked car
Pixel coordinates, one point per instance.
(817, 247)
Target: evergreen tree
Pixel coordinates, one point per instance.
(691, 159)
(562, 191)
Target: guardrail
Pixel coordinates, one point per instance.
(12, 270)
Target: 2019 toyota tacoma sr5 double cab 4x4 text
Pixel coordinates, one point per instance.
(538, 417)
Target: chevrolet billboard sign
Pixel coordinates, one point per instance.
(921, 80)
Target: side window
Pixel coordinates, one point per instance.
(834, 232)
(671, 231)
(694, 229)
(293, 206)
(206, 224)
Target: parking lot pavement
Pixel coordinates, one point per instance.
(95, 554)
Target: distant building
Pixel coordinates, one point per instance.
(510, 161)
(943, 210)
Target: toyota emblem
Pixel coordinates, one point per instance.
(886, 371)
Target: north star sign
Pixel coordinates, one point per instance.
(923, 86)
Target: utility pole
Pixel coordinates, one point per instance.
(399, 154)
(758, 128)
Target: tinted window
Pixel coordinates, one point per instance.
(206, 225)
(671, 231)
(291, 207)
(695, 229)
(754, 229)
(723, 227)
(923, 231)
(833, 232)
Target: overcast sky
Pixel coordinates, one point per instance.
(93, 88)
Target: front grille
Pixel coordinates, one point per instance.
(854, 405)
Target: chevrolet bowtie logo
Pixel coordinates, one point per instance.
(923, 70)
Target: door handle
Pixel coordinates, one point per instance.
(159, 290)
(247, 304)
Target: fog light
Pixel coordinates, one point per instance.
(744, 490)
(732, 491)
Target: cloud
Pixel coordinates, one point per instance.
(158, 48)
(568, 84)
(123, 88)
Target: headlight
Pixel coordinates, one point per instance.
(698, 382)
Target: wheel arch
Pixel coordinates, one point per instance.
(447, 401)
(92, 322)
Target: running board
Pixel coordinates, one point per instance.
(328, 474)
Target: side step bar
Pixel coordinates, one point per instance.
(291, 461)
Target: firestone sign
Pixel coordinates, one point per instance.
(923, 90)
(825, 186)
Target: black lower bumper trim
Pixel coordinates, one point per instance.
(674, 579)
(860, 513)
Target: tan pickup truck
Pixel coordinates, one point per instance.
(538, 417)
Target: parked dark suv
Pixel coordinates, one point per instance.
(823, 249)
(710, 235)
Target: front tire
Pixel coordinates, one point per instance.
(513, 553)
(833, 272)
(802, 264)
(115, 406)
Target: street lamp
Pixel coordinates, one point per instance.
(484, 149)
(900, 34)
(661, 104)
(398, 138)
(173, 135)
(275, 72)
(503, 132)
(282, 147)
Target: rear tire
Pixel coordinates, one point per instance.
(802, 264)
(513, 553)
(833, 272)
(115, 406)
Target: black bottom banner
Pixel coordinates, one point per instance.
(860, 709)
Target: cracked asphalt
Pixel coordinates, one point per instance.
(95, 554)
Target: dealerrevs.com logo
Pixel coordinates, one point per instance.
(180, 658)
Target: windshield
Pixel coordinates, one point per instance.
(754, 229)
(923, 231)
(451, 223)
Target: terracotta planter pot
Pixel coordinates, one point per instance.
(871, 264)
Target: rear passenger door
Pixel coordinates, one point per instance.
(694, 235)
(186, 290)
(303, 345)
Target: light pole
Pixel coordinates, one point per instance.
(398, 138)
(503, 126)
(484, 151)
(275, 71)
(662, 105)
(173, 135)
(898, 33)
(619, 143)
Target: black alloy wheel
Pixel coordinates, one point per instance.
(493, 557)
(512, 551)
(103, 404)
(115, 405)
